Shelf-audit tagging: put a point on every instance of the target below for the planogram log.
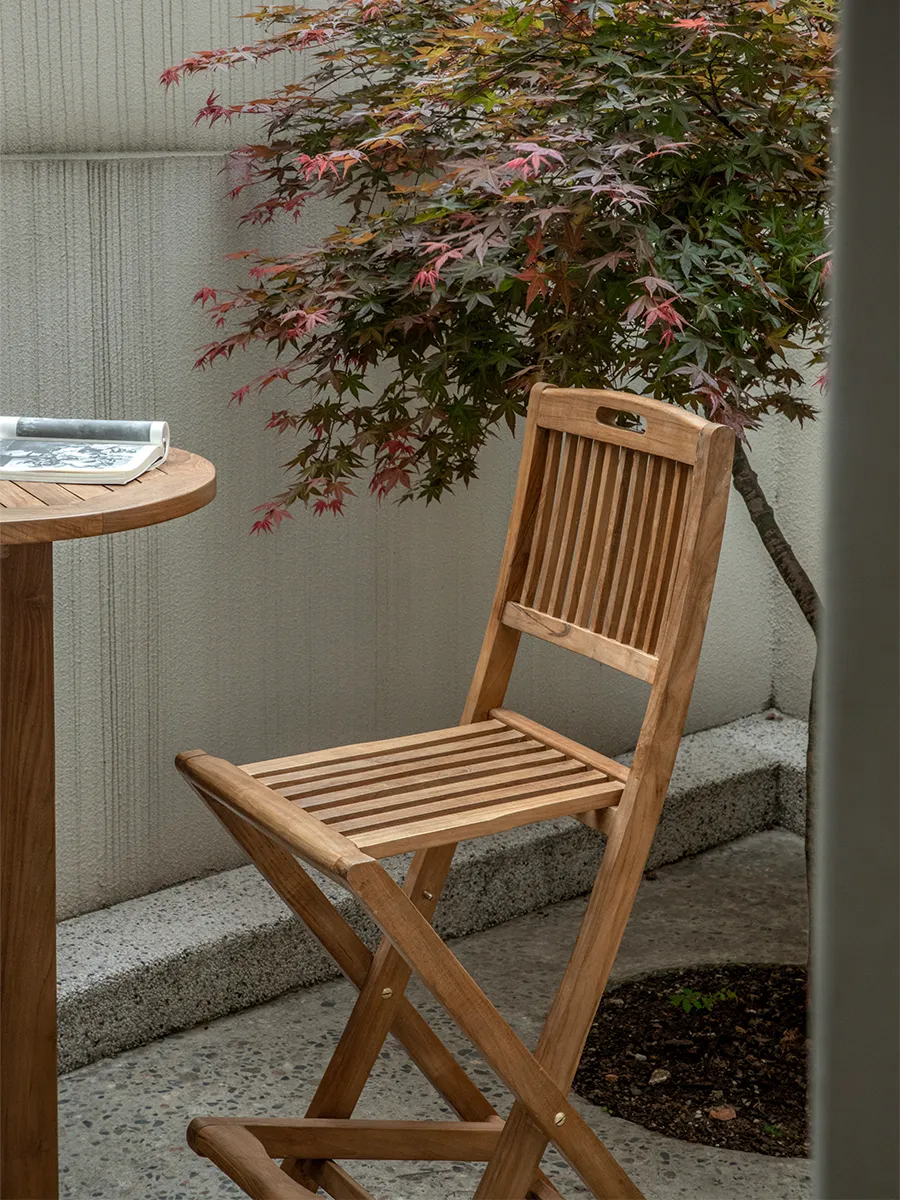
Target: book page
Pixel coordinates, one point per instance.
(35, 454)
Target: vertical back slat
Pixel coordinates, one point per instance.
(542, 523)
(587, 528)
(558, 524)
(613, 538)
(665, 472)
(671, 564)
(631, 526)
(611, 472)
(637, 568)
(672, 528)
(574, 518)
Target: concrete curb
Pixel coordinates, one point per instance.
(191, 953)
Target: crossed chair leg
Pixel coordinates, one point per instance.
(244, 1148)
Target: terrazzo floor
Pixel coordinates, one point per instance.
(122, 1120)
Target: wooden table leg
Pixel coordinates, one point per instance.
(28, 1149)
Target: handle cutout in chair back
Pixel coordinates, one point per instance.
(621, 418)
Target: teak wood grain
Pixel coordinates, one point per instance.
(611, 552)
(28, 1157)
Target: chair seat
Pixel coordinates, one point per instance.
(429, 789)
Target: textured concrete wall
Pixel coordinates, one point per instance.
(193, 633)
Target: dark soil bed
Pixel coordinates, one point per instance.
(714, 1055)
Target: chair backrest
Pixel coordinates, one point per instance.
(614, 538)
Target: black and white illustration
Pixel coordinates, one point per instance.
(35, 455)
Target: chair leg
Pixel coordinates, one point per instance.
(413, 939)
(448, 981)
(354, 958)
(376, 1007)
(515, 1164)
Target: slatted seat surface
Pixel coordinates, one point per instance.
(433, 788)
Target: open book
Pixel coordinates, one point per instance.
(70, 451)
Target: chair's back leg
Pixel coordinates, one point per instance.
(376, 1005)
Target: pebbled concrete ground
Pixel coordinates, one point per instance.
(123, 1119)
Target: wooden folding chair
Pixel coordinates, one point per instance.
(611, 551)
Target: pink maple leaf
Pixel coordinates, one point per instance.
(703, 23)
(274, 513)
(533, 160)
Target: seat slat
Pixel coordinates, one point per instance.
(404, 761)
(436, 831)
(510, 783)
(561, 784)
(341, 754)
(317, 799)
(489, 767)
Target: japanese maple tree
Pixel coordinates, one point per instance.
(608, 194)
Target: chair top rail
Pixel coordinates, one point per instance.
(667, 430)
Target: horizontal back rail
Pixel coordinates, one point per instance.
(582, 641)
(668, 431)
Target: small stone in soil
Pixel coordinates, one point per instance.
(611, 1078)
(659, 1076)
(641, 1057)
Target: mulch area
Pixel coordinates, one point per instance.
(715, 1055)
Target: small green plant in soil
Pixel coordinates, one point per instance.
(691, 1000)
(715, 1055)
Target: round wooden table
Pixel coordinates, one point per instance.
(32, 517)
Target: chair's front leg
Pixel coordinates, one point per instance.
(516, 1162)
(504, 1051)
(377, 1004)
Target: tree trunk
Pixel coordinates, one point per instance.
(780, 550)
